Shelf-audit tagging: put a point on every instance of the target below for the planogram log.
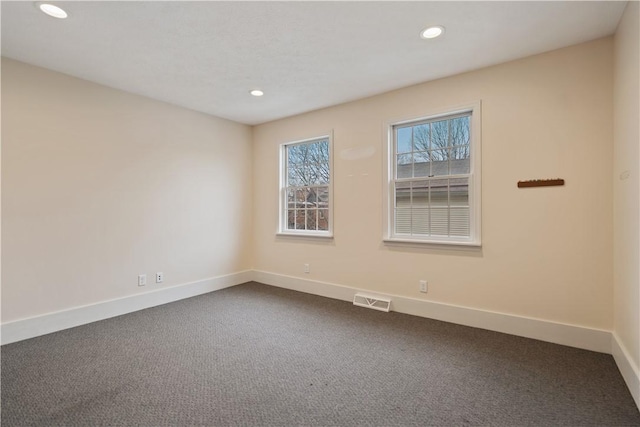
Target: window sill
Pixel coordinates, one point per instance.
(328, 236)
(437, 244)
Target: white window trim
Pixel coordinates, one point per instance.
(282, 203)
(475, 193)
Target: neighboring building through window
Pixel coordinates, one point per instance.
(305, 206)
(434, 182)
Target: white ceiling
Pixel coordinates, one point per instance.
(304, 55)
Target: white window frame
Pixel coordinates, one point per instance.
(282, 209)
(475, 179)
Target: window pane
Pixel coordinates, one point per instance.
(404, 168)
(460, 221)
(420, 221)
(300, 219)
(421, 137)
(439, 162)
(311, 219)
(439, 202)
(308, 163)
(403, 194)
(291, 219)
(403, 221)
(420, 194)
(460, 160)
(459, 192)
(323, 197)
(301, 197)
(321, 152)
(295, 176)
(323, 219)
(309, 174)
(403, 138)
(293, 155)
(439, 155)
(439, 222)
(291, 201)
(320, 173)
(460, 131)
(404, 159)
(312, 198)
(460, 152)
(440, 134)
(439, 194)
(421, 166)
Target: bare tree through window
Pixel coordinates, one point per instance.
(307, 185)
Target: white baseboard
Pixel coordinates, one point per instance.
(45, 324)
(558, 333)
(629, 370)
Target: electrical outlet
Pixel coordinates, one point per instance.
(142, 279)
(307, 269)
(159, 277)
(423, 286)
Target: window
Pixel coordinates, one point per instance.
(305, 207)
(433, 186)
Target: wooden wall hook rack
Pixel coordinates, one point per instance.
(540, 183)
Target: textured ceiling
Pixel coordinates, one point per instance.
(305, 55)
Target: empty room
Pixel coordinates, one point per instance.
(320, 213)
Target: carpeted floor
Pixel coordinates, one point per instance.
(255, 355)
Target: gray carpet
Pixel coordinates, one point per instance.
(254, 355)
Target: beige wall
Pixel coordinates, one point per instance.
(547, 252)
(626, 182)
(99, 185)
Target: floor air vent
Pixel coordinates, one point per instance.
(369, 301)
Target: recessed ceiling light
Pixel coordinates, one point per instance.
(53, 10)
(256, 92)
(432, 32)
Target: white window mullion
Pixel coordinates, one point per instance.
(449, 203)
(411, 196)
(430, 212)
